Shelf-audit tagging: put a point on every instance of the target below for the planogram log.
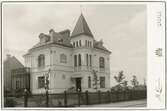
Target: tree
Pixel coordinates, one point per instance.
(120, 80)
(134, 81)
(95, 80)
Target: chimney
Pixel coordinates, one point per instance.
(65, 33)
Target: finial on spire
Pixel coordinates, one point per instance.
(81, 8)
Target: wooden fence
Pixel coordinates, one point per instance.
(80, 98)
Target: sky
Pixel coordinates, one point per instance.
(122, 27)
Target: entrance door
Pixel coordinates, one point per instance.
(78, 84)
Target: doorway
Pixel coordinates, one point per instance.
(78, 85)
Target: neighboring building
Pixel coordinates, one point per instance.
(10, 63)
(20, 79)
(69, 60)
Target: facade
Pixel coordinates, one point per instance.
(69, 59)
(9, 64)
(20, 79)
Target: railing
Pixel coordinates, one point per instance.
(68, 99)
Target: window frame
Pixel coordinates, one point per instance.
(63, 58)
(102, 82)
(41, 81)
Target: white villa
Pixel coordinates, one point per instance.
(69, 59)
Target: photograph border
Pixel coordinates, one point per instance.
(75, 108)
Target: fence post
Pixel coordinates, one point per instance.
(109, 96)
(78, 98)
(25, 98)
(47, 99)
(87, 97)
(65, 98)
(99, 96)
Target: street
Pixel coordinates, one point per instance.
(135, 103)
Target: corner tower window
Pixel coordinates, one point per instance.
(41, 60)
(63, 58)
(101, 62)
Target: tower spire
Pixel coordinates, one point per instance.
(81, 27)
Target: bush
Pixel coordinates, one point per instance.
(9, 102)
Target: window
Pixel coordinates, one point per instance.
(75, 60)
(102, 82)
(87, 59)
(101, 62)
(89, 82)
(41, 60)
(85, 42)
(77, 43)
(79, 60)
(41, 82)
(90, 58)
(63, 58)
(17, 84)
(73, 44)
(90, 44)
(80, 44)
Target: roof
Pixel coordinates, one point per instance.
(81, 27)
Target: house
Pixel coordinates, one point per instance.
(69, 60)
(10, 63)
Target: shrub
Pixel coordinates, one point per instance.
(9, 102)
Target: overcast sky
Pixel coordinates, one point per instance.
(122, 28)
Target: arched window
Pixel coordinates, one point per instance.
(41, 60)
(87, 61)
(80, 44)
(101, 62)
(89, 82)
(73, 44)
(86, 43)
(79, 60)
(63, 58)
(75, 60)
(77, 44)
(90, 58)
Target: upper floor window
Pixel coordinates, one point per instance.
(90, 58)
(41, 60)
(79, 60)
(89, 82)
(102, 82)
(85, 42)
(80, 44)
(75, 60)
(77, 44)
(87, 60)
(41, 82)
(73, 44)
(63, 58)
(101, 62)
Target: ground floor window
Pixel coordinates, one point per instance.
(17, 84)
(102, 82)
(41, 82)
(89, 82)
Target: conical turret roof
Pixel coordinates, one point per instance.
(81, 27)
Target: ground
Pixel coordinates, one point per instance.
(135, 103)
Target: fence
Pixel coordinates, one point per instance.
(81, 98)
